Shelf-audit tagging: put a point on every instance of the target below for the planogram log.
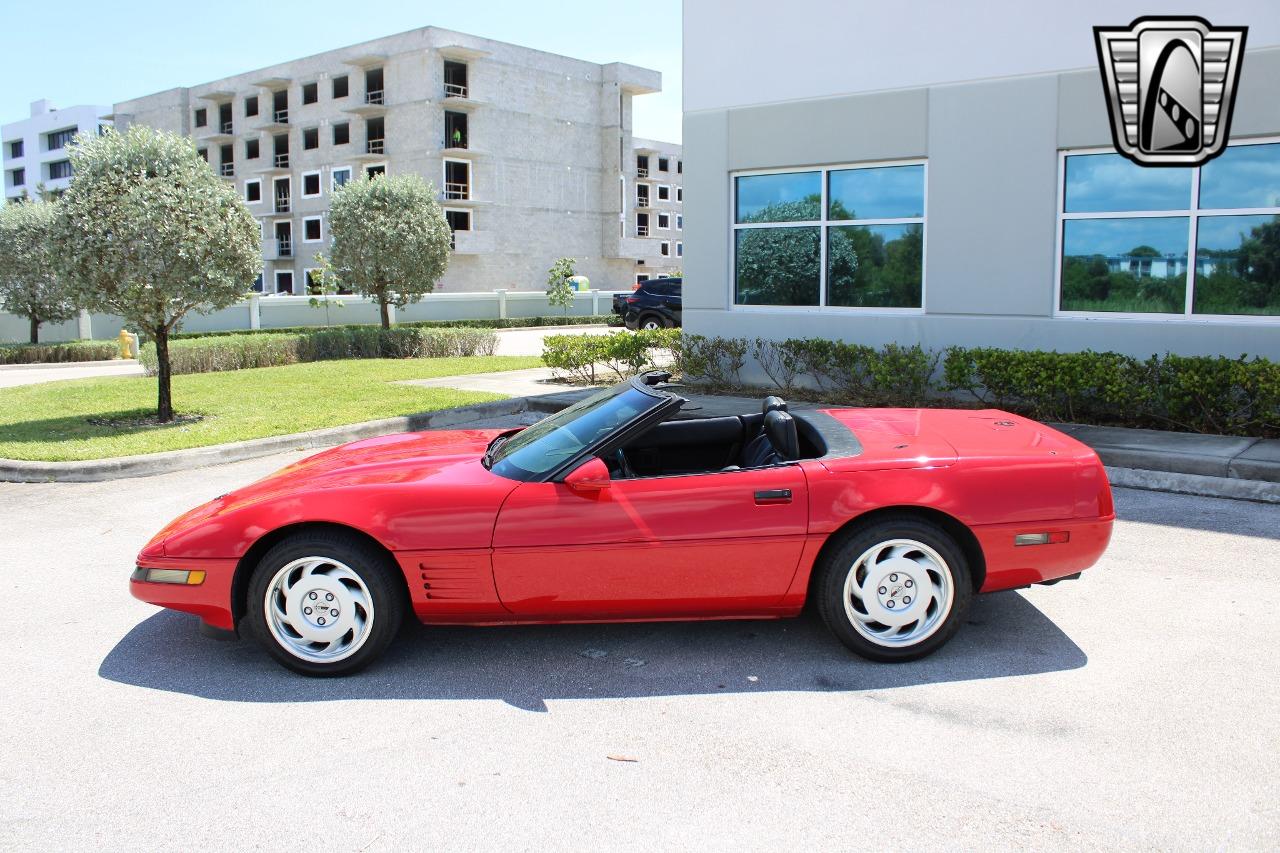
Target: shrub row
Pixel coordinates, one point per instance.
(508, 323)
(57, 353)
(238, 352)
(1212, 395)
(624, 354)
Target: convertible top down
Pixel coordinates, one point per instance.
(616, 509)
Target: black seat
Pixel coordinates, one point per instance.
(779, 442)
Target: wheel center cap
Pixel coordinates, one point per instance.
(320, 607)
(896, 590)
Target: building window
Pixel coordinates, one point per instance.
(251, 106)
(284, 282)
(664, 222)
(310, 93)
(257, 284)
(1174, 241)
(341, 86)
(59, 138)
(844, 236)
(311, 229)
(311, 138)
(458, 220)
(679, 167)
(18, 177)
(251, 149)
(664, 192)
(679, 250)
(666, 249)
(664, 164)
(253, 191)
(310, 184)
(375, 170)
(342, 133)
(202, 117)
(679, 221)
(226, 160)
(679, 195)
(59, 169)
(204, 154)
(455, 79)
(340, 176)
(16, 149)
(641, 278)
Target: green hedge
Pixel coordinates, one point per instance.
(622, 353)
(58, 353)
(238, 352)
(1212, 395)
(508, 323)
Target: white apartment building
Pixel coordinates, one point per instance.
(531, 153)
(34, 148)
(659, 206)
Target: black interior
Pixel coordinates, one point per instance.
(701, 445)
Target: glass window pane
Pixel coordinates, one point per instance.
(875, 266)
(1242, 176)
(1237, 265)
(1103, 182)
(792, 197)
(776, 266)
(888, 192)
(1130, 265)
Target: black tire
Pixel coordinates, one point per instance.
(656, 319)
(379, 574)
(839, 561)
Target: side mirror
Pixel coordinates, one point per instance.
(590, 476)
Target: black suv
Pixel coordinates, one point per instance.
(655, 304)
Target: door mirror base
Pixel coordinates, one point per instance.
(590, 476)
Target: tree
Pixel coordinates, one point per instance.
(148, 232)
(29, 284)
(559, 293)
(390, 239)
(782, 266)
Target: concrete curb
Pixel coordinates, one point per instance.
(96, 470)
(54, 365)
(1195, 484)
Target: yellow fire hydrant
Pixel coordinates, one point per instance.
(125, 342)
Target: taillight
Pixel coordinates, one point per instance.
(631, 300)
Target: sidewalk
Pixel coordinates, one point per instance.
(13, 375)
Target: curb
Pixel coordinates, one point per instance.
(96, 470)
(1200, 485)
(54, 365)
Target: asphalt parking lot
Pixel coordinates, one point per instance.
(1133, 709)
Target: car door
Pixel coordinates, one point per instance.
(710, 544)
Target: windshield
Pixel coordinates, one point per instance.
(537, 451)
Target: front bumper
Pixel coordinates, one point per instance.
(210, 600)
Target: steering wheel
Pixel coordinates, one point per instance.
(623, 465)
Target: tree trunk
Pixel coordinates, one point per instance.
(386, 314)
(164, 404)
(35, 330)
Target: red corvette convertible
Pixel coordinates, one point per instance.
(614, 509)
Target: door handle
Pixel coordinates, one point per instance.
(773, 496)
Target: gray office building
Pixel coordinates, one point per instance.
(945, 174)
(532, 153)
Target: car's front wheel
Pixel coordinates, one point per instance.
(325, 603)
(894, 590)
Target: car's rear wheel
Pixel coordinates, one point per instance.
(324, 603)
(894, 590)
(650, 321)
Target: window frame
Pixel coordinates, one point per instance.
(316, 218)
(333, 133)
(302, 182)
(333, 170)
(315, 129)
(666, 187)
(314, 85)
(822, 225)
(276, 282)
(244, 193)
(1192, 213)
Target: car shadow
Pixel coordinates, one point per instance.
(526, 665)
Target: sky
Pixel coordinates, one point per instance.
(109, 52)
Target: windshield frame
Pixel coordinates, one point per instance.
(665, 403)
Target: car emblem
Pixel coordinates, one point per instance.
(1170, 84)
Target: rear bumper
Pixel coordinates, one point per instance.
(211, 600)
(1010, 566)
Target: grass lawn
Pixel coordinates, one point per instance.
(50, 421)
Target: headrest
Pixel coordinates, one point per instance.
(780, 427)
(772, 404)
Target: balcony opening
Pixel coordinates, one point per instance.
(642, 195)
(373, 93)
(284, 282)
(280, 106)
(225, 124)
(375, 130)
(459, 220)
(642, 165)
(284, 239)
(455, 130)
(457, 180)
(226, 160)
(280, 144)
(455, 79)
(642, 225)
(280, 191)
